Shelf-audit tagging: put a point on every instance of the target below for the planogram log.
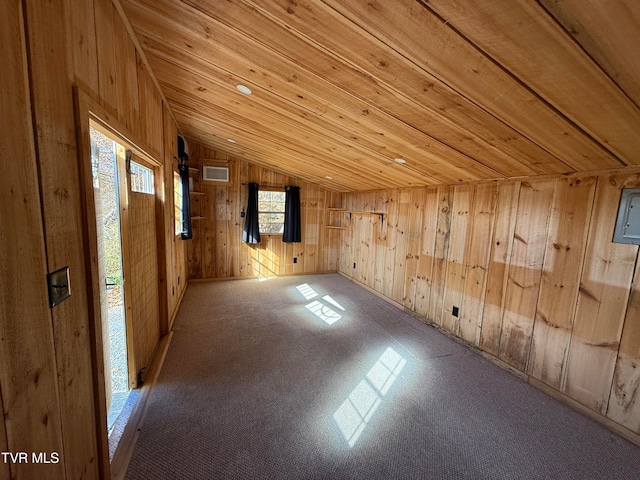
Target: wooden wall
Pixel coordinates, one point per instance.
(144, 277)
(217, 251)
(532, 269)
(47, 382)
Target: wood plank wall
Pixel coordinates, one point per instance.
(531, 266)
(144, 277)
(217, 251)
(46, 376)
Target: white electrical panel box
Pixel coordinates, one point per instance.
(628, 221)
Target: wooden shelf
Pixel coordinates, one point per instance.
(370, 213)
(196, 193)
(335, 227)
(194, 170)
(197, 218)
(337, 209)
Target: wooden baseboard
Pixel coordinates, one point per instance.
(178, 303)
(552, 392)
(610, 424)
(124, 451)
(223, 279)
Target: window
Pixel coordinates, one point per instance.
(141, 178)
(271, 211)
(177, 202)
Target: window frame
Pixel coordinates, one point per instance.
(146, 175)
(271, 212)
(177, 204)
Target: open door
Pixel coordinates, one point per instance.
(111, 200)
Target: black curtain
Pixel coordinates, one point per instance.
(251, 233)
(187, 233)
(292, 215)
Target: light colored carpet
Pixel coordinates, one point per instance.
(313, 377)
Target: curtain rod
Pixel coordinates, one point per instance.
(273, 186)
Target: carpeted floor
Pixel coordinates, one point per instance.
(313, 377)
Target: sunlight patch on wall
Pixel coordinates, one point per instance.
(323, 312)
(357, 410)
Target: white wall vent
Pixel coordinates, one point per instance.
(215, 174)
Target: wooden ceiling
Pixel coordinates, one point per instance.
(462, 90)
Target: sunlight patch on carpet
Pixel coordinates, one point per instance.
(330, 299)
(307, 292)
(323, 312)
(357, 410)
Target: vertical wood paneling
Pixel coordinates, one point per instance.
(82, 33)
(150, 115)
(126, 79)
(143, 304)
(624, 404)
(445, 200)
(55, 128)
(458, 246)
(70, 44)
(175, 249)
(221, 232)
(414, 244)
(525, 271)
(381, 238)
(107, 75)
(500, 259)
(566, 243)
(208, 233)
(401, 244)
(391, 222)
(194, 247)
(477, 262)
(217, 251)
(28, 373)
(541, 285)
(602, 302)
(424, 281)
(234, 233)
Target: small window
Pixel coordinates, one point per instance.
(628, 221)
(177, 202)
(271, 211)
(141, 178)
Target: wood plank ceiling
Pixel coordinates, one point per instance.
(462, 90)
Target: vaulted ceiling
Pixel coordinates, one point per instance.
(461, 90)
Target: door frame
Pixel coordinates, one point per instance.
(89, 110)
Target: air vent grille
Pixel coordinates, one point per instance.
(215, 174)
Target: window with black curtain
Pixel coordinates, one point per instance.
(251, 233)
(292, 224)
(187, 233)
